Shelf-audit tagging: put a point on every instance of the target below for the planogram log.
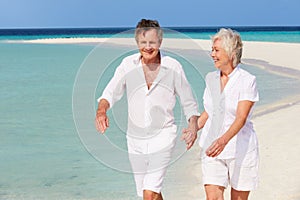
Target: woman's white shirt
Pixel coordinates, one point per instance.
(221, 107)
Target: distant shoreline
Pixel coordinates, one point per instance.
(175, 28)
(290, 34)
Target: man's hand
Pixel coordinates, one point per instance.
(101, 120)
(189, 135)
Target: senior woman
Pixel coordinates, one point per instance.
(228, 140)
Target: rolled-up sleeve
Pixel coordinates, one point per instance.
(185, 94)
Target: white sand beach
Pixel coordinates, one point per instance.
(275, 53)
(276, 124)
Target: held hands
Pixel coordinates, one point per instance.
(189, 135)
(216, 148)
(101, 121)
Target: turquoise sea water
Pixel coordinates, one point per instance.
(260, 33)
(42, 155)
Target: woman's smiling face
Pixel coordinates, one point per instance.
(219, 55)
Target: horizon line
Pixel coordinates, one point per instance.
(166, 27)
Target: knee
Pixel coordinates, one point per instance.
(150, 195)
(147, 195)
(214, 192)
(214, 198)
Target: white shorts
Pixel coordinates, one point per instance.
(150, 158)
(149, 170)
(240, 173)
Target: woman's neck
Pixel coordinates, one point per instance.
(227, 70)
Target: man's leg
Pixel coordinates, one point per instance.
(157, 168)
(239, 195)
(138, 165)
(150, 195)
(214, 192)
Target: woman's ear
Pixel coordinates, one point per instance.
(233, 58)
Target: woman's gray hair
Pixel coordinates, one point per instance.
(231, 42)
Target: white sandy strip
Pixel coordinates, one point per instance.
(60, 40)
(275, 53)
(280, 54)
(278, 131)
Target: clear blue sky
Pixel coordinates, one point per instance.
(126, 13)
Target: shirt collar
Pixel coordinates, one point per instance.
(234, 71)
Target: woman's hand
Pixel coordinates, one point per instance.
(216, 148)
(242, 113)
